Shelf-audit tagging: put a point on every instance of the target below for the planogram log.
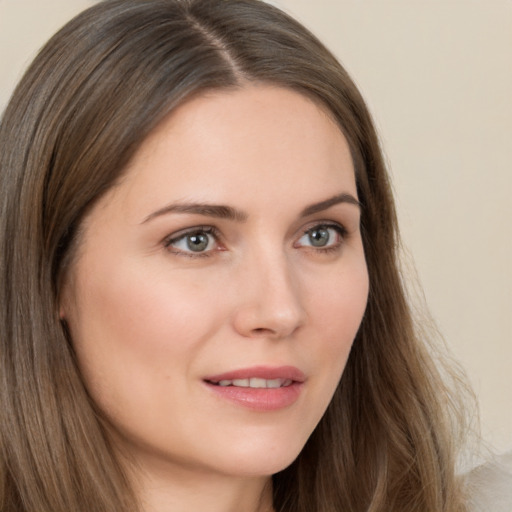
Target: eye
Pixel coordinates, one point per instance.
(199, 241)
(323, 236)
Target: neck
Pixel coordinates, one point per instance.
(168, 490)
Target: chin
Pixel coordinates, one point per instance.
(261, 459)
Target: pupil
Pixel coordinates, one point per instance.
(319, 237)
(198, 242)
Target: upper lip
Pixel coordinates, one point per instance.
(261, 372)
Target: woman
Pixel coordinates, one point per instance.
(199, 242)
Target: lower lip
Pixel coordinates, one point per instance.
(259, 399)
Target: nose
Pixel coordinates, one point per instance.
(270, 302)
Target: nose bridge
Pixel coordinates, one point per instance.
(271, 302)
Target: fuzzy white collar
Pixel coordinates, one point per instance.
(490, 486)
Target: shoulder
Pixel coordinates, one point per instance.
(490, 486)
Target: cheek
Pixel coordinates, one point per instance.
(340, 305)
(336, 311)
(140, 307)
(134, 328)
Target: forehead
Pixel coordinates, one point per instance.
(251, 145)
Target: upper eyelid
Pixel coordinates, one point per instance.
(215, 231)
(176, 237)
(324, 223)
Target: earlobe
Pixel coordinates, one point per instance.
(64, 295)
(63, 303)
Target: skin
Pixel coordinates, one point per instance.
(150, 319)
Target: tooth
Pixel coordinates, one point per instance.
(242, 383)
(255, 382)
(225, 383)
(274, 383)
(287, 382)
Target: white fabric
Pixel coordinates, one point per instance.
(490, 486)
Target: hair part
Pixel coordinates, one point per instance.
(92, 95)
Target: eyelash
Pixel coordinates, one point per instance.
(212, 231)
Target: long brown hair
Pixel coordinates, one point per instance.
(92, 95)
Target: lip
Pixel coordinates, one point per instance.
(259, 399)
(261, 372)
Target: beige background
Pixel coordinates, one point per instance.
(438, 78)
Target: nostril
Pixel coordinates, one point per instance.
(261, 330)
(275, 317)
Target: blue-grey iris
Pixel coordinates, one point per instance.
(319, 237)
(197, 242)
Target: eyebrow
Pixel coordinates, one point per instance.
(208, 210)
(229, 213)
(324, 205)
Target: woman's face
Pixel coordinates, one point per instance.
(218, 287)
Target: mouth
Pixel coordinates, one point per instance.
(259, 388)
(253, 382)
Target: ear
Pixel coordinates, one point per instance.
(64, 297)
